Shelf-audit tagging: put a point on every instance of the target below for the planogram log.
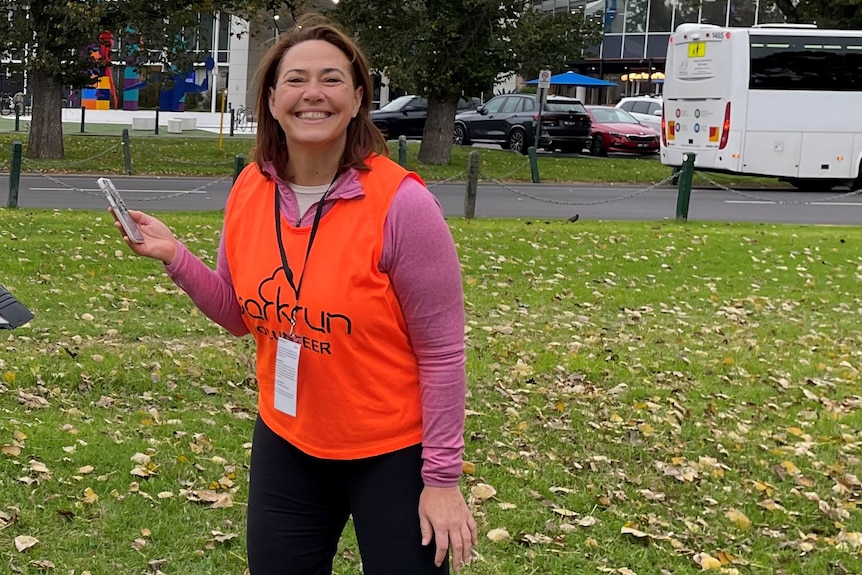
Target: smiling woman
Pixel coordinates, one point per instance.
(361, 397)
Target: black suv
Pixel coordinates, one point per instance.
(405, 116)
(510, 120)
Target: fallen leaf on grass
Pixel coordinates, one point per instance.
(707, 562)
(24, 542)
(738, 518)
(498, 535)
(482, 491)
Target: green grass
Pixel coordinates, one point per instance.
(200, 155)
(640, 394)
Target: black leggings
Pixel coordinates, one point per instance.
(298, 506)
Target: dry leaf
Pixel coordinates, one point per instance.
(24, 542)
(738, 518)
(482, 491)
(707, 562)
(498, 535)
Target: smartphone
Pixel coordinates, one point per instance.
(121, 211)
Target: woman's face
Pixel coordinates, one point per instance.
(314, 97)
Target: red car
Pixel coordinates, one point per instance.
(615, 130)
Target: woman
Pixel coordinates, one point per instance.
(341, 266)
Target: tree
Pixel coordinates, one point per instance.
(56, 40)
(443, 49)
(543, 40)
(843, 14)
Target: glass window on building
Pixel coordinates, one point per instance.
(205, 33)
(714, 12)
(223, 39)
(686, 13)
(612, 47)
(636, 15)
(657, 45)
(615, 11)
(768, 13)
(633, 46)
(660, 15)
(742, 13)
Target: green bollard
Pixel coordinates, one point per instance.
(684, 196)
(238, 165)
(402, 151)
(14, 175)
(472, 185)
(127, 151)
(534, 164)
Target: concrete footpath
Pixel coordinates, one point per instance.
(139, 123)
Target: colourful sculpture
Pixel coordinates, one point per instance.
(102, 93)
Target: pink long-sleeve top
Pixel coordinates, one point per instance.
(420, 258)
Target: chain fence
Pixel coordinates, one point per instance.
(77, 190)
(40, 167)
(756, 198)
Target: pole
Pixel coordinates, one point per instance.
(472, 185)
(83, 113)
(534, 164)
(221, 121)
(157, 120)
(402, 151)
(127, 151)
(14, 175)
(684, 197)
(238, 165)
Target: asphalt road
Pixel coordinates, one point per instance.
(546, 201)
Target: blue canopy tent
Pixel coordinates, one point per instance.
(575, 79)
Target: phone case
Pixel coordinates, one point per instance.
(122, 212)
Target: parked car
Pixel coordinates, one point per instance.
(647, 109)
(510, 120)
(406, 115)
(615, 130)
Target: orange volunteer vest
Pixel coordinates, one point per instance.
(358, 378)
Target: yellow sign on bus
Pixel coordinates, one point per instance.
(697, 50)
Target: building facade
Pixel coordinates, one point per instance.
(632, 52)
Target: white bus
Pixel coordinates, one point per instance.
(779, 100)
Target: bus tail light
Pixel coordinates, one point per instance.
(725, 128)
(663, 127)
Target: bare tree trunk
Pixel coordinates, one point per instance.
(436, 147)
(46, 128)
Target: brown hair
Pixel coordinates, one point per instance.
(363, 137)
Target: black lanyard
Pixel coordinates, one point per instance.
(287, 271)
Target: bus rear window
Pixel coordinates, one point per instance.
(806, 63)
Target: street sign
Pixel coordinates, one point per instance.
(544, 79)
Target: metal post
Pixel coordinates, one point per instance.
(238, 165)
(17, 118)
(402, 151)
(684, 196)
(157, 120)
(472, 185)
(232, 124)
(14, 175)
(127, 151)
(83, 113)
(534, 164)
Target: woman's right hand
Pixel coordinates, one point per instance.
(159, 242)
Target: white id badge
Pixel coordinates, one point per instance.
(286, 364)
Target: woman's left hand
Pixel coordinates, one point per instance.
(443, 514)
